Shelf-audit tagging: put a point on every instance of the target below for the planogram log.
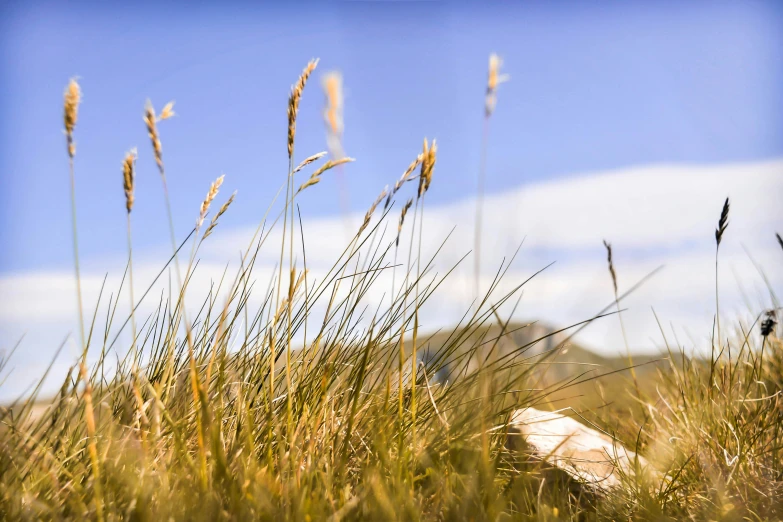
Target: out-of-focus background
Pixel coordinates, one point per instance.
(625, 121)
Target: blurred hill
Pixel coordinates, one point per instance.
(575, 376)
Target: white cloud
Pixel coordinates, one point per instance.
(652, 215)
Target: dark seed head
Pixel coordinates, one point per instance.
(769, 323)
(723, 222)
(611, 264)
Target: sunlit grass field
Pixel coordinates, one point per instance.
(315, 406)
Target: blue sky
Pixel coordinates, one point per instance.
(630, 121)
(598, 86)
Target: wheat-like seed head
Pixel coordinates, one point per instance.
(371, 211)
(293, 103)
(406, 176)
(222, 211)
(316, 176)
(71, 100)
(309, 160)
(331, 164)
(152, 129)
(611, 264)
(428, 157)
(213, 191)
(402, 220)
(128, 177)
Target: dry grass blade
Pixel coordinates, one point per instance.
(293, 103)
(92, 447)
(213, 192)
(780, 239)
(128, 177)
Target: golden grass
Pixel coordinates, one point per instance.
(200, 426)
(293, 103)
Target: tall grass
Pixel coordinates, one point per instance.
(223, 413)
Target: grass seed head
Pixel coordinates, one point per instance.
(406, 176)
(371, 211)
(213, 192)
(167, 112)
(309, 160)
(222, 211)
(293, 103)
(769, 323)
(723, 223)
(71, 100)
(494, 78)
(316, 176)
(428, 157)
(611, 264)
(402, 220)
(128, 177)
(152, 129)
